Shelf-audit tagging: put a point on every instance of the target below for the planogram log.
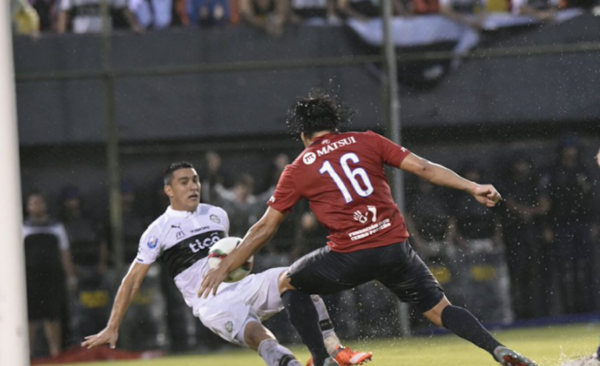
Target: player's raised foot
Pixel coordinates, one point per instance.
(506, 356)
(345, 356)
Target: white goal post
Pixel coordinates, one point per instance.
(14, 344)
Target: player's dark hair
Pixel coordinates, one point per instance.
(320, 110)
(174, 167)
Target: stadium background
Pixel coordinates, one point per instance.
(177, 95)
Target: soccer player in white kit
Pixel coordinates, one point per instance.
(181, 239)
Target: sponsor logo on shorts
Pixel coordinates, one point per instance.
(309, 158)
(152, 242)
(215, 219)
(229, 327)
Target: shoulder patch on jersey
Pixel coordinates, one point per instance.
(214, 218)
(152, 242)
(309, 158)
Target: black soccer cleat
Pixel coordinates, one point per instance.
(508, 357)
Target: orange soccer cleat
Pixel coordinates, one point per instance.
(345, 356)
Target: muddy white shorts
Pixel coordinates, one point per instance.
(256, 297)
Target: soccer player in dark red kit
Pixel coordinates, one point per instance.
(341, 175)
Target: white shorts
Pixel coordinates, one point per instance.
(255, 298)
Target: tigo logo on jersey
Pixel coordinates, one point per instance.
(152, 242)
(309, 158)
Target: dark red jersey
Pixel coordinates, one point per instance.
(342, 177)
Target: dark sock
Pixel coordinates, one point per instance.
(305, 319)
(462, 323)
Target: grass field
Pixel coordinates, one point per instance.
(549, 346)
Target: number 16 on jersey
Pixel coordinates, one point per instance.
(351, 174)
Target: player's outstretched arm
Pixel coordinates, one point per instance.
(258, 235)
(485, 194)
(129, 286)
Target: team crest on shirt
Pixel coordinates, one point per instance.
(229, 327)
(215, 219)
(152, 242)
(309, 158)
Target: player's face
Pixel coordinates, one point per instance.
(598, 158)
(184, 190)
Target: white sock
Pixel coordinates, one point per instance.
(275, 354)
(332, 342)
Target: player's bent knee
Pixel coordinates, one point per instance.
(435, 314)
(283, 283)
(255, 333)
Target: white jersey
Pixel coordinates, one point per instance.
(181, 241)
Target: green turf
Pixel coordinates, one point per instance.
(549, 346)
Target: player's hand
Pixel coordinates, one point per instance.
(106, 336)
(211, 281)
(487, 195)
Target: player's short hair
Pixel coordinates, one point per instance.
(174, 167)
(320, 110)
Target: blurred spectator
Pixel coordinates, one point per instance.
(268, 15)
(47, 12)
(427, 219)
(316, 12)
(478, 232)
(277, 166)
(424, 7)
(207, 13)
(179, 16)
(362, 10)
(283, 242)
(152, 14)
(24, 18)
(85, 16)
(528, 262)
(243, 208)
(474, 227)
(133, 222)
(90, 254)
(213, 180)
(468, 12)
(47, 260)
(309, 235)
(88, 248)
(145, 322)
(159, 200)
(571, 226)
(541, 10)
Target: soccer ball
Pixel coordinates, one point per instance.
(221, 249)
